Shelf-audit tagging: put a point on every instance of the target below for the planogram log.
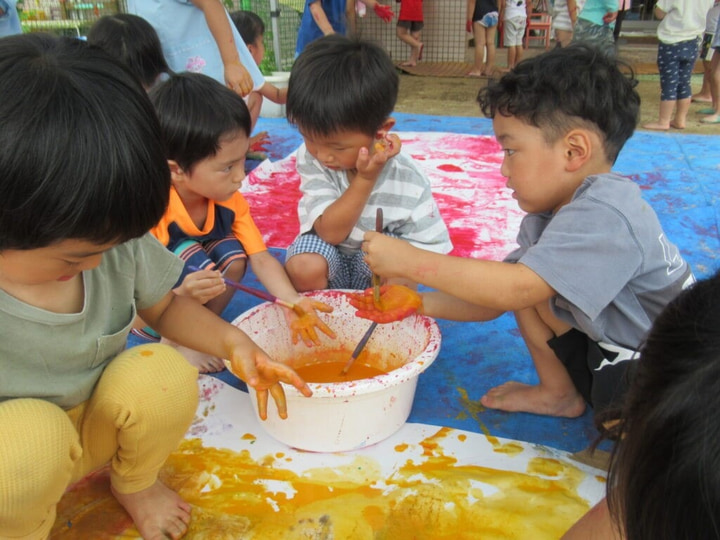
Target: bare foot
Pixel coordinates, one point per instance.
(204, 362)
(475, 73)
(158, 512)
(408, 63)
(657, 126)
(677, 125)
(519, 397)
(697, 98)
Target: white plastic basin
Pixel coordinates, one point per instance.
(345, 415)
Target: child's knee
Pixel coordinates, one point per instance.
(39, 450)
(236, 269)
(307, 271)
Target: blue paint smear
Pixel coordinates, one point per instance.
(680, 177)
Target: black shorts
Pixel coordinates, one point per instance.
(413, 26)
(598, 375)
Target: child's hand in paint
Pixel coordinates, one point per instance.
(305, 326)
(387, 256)
(371, 161)
(254, 366)
(396, 303)
(203, 285)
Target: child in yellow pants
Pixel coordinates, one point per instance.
(84, 177)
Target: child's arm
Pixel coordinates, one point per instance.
(338, 219)
(597, 524)
(273, 277)
(491, 284)
(273, 93)
(320, 18)
(185, 321)
(236, 76)
(572, 11)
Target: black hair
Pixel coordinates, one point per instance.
(341, 84)
(566, 88)
(248, 24)
(80, 148)
(133, 41)
(196, 112)
(664, 480)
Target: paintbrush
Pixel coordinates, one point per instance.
(359, 348)
(375, 277)
(260, 294)
(376, 300)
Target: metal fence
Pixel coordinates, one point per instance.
(444, 33)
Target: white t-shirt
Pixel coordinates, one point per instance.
(684, 19)
(515, 9)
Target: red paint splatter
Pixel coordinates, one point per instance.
(464, 171)
(449, 168)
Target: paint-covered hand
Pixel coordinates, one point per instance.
(238, 79)
(259, 142)
(468, 26)
(264, 375)
(203, 285)
(305, 326)
(396, 303)
(371, 161)
(384, 12)
(387, 256)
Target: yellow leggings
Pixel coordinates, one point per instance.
(139, 411)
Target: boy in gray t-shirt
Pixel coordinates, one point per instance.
(594, 267)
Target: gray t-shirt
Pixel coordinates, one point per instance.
(606, 255)
(59, 357)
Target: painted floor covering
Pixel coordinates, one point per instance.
(679, 176)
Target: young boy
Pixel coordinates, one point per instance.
(83, 178)
(340, 96)
(206, 129)
(594, 267)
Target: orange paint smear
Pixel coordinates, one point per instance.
(235, 496)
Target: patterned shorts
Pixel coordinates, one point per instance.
(489, 20)
(596, 35)
(202, 254)
(345, 271)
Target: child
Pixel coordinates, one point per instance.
(133, 41)
(325, 17)
(682, 22)
(594, 267)
(667, 454)
(83, 151)
(514, 14)
(707, 53)
(595, 24)
(206, 128)
(409, 29)
(9, 18)
(252, 31)
(482, 20)
(564, 18)
(341, 94)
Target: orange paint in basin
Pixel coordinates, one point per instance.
(326, 367)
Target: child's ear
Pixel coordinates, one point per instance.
(177, 174)
(578, 148)
(386, 126)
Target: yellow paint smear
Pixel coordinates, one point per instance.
(237, 497)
